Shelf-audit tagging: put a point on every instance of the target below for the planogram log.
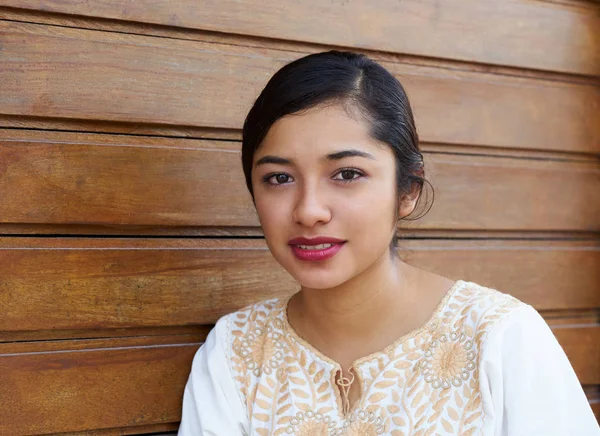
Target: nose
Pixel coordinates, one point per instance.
(310, 209)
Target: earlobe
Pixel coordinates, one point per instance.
(407, 204)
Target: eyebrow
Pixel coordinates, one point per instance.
(269, 159)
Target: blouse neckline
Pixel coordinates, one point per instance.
(386, 351)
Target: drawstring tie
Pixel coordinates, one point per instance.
(345, 384)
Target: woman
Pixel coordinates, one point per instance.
(370, 345)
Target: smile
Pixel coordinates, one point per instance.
(316, 253)
(315, 247)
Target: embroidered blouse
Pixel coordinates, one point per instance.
(484, 364)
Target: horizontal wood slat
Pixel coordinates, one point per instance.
(130, 382)
(477, 192)
(141, 430)
(69, 386)
(81, 284)
(582, 346)
(414, 27)
(111, 180)
(132, 283)
(149, 80)
(549, 275)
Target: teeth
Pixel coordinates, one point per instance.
(315, 247)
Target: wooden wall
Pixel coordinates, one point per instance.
(125, 226)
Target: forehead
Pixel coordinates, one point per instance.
(317, 132)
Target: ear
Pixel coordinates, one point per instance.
(408, 201)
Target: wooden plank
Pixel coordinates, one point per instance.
(131, 283)
(593, 394)
(91, 333)
(423, 28)
(97, 183)
(137, 381)
(480, 192)
(146, 430)
(582, 346)
(171, 433)
(84, 284)
(162, 81)
(71, 386)
(111, 181)
(549, 275)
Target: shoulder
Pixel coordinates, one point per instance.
(477, 310)
(525, 380)
(249, 331)
(483, 297)
(253, 316)
(250, 320)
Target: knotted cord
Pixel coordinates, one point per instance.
(345, 384)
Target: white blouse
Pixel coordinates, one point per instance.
(484, 364)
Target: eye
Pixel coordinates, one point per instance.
(277, 179)
(348, 174)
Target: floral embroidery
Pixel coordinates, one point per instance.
(366, 424)
(426, 383)
(261, 349)
(309, 424)
(448, 360)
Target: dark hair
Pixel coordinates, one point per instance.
(358, 83)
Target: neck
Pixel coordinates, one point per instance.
(357, 309)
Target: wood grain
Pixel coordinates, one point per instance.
(549, 275)
(71, 386)
(490, 31)
(582, 346)
(161, 81)
(112, 181)
(481, 192)
(169, 429)
(123, 283)
(84, 284)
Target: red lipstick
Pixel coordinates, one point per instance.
(305, 248)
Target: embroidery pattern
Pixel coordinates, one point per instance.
(310, 424)
(261, 348)
(449, 360)
(424, 384)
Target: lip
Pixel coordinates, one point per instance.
(315, 241)
(315, 255)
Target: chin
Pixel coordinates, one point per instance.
(318, 276)
(309, 281)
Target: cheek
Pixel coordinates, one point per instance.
(272, 213)
(371, 207)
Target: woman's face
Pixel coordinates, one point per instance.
(320, 175)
